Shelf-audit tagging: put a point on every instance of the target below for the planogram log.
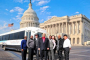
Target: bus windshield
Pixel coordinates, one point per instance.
(40, 34)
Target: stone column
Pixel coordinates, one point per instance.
(59, 27)
(53, 29)
(82, 32)
(73, 28)
(56, 28)
(76, 27)
(47, 28)
(50, 29)
(70, 28)
(66, 27)
(62, 27)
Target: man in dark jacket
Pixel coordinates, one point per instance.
(43, 46)
(36, 46)
(30, 45)
(24, 48)
(60, 47)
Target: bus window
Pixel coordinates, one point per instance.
(4, 37)
(21, 34)
(16, 36)
(0, 38)
(11, 37)
(39, 34)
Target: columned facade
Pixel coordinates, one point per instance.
(76, 27)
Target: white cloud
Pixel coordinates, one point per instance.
(26, 1)
(20, 10)
(17, 18)
(49, 17)
(44, 8)
(4, 25)
(42, 2)
(41, 20)
(19, 13)
(11, 10)
(6, 9)
(77, 12)
(20, 1)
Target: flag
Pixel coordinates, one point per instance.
(10, 25)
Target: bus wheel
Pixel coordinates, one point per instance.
(4, 48)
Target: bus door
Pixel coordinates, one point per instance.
(28, 34)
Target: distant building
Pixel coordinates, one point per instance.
(76, 27)
(29, 18)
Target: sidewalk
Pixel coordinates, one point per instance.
(5, 55)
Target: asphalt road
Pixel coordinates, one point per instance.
(76, 53)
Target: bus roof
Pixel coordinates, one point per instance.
(26, 29)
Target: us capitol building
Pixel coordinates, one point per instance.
(77, 27)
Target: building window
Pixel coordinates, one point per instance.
(77, 40)
(79, 27)
(73, 40)
(31, 18)
(70, 40)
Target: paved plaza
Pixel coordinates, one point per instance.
(76, 53)
(80, 53)
(7, 55)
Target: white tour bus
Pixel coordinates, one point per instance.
(13, 39)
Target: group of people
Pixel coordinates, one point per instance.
(46, 47)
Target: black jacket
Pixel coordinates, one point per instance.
(60, 45)
(43, 46)
(36, 42)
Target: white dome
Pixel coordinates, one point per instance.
(30, 11)
(29, 18)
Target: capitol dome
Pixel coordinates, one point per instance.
(29, 18)
(30, 11)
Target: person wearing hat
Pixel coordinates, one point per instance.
(36, 39)
(24, 48)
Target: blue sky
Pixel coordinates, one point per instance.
(11, 11)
